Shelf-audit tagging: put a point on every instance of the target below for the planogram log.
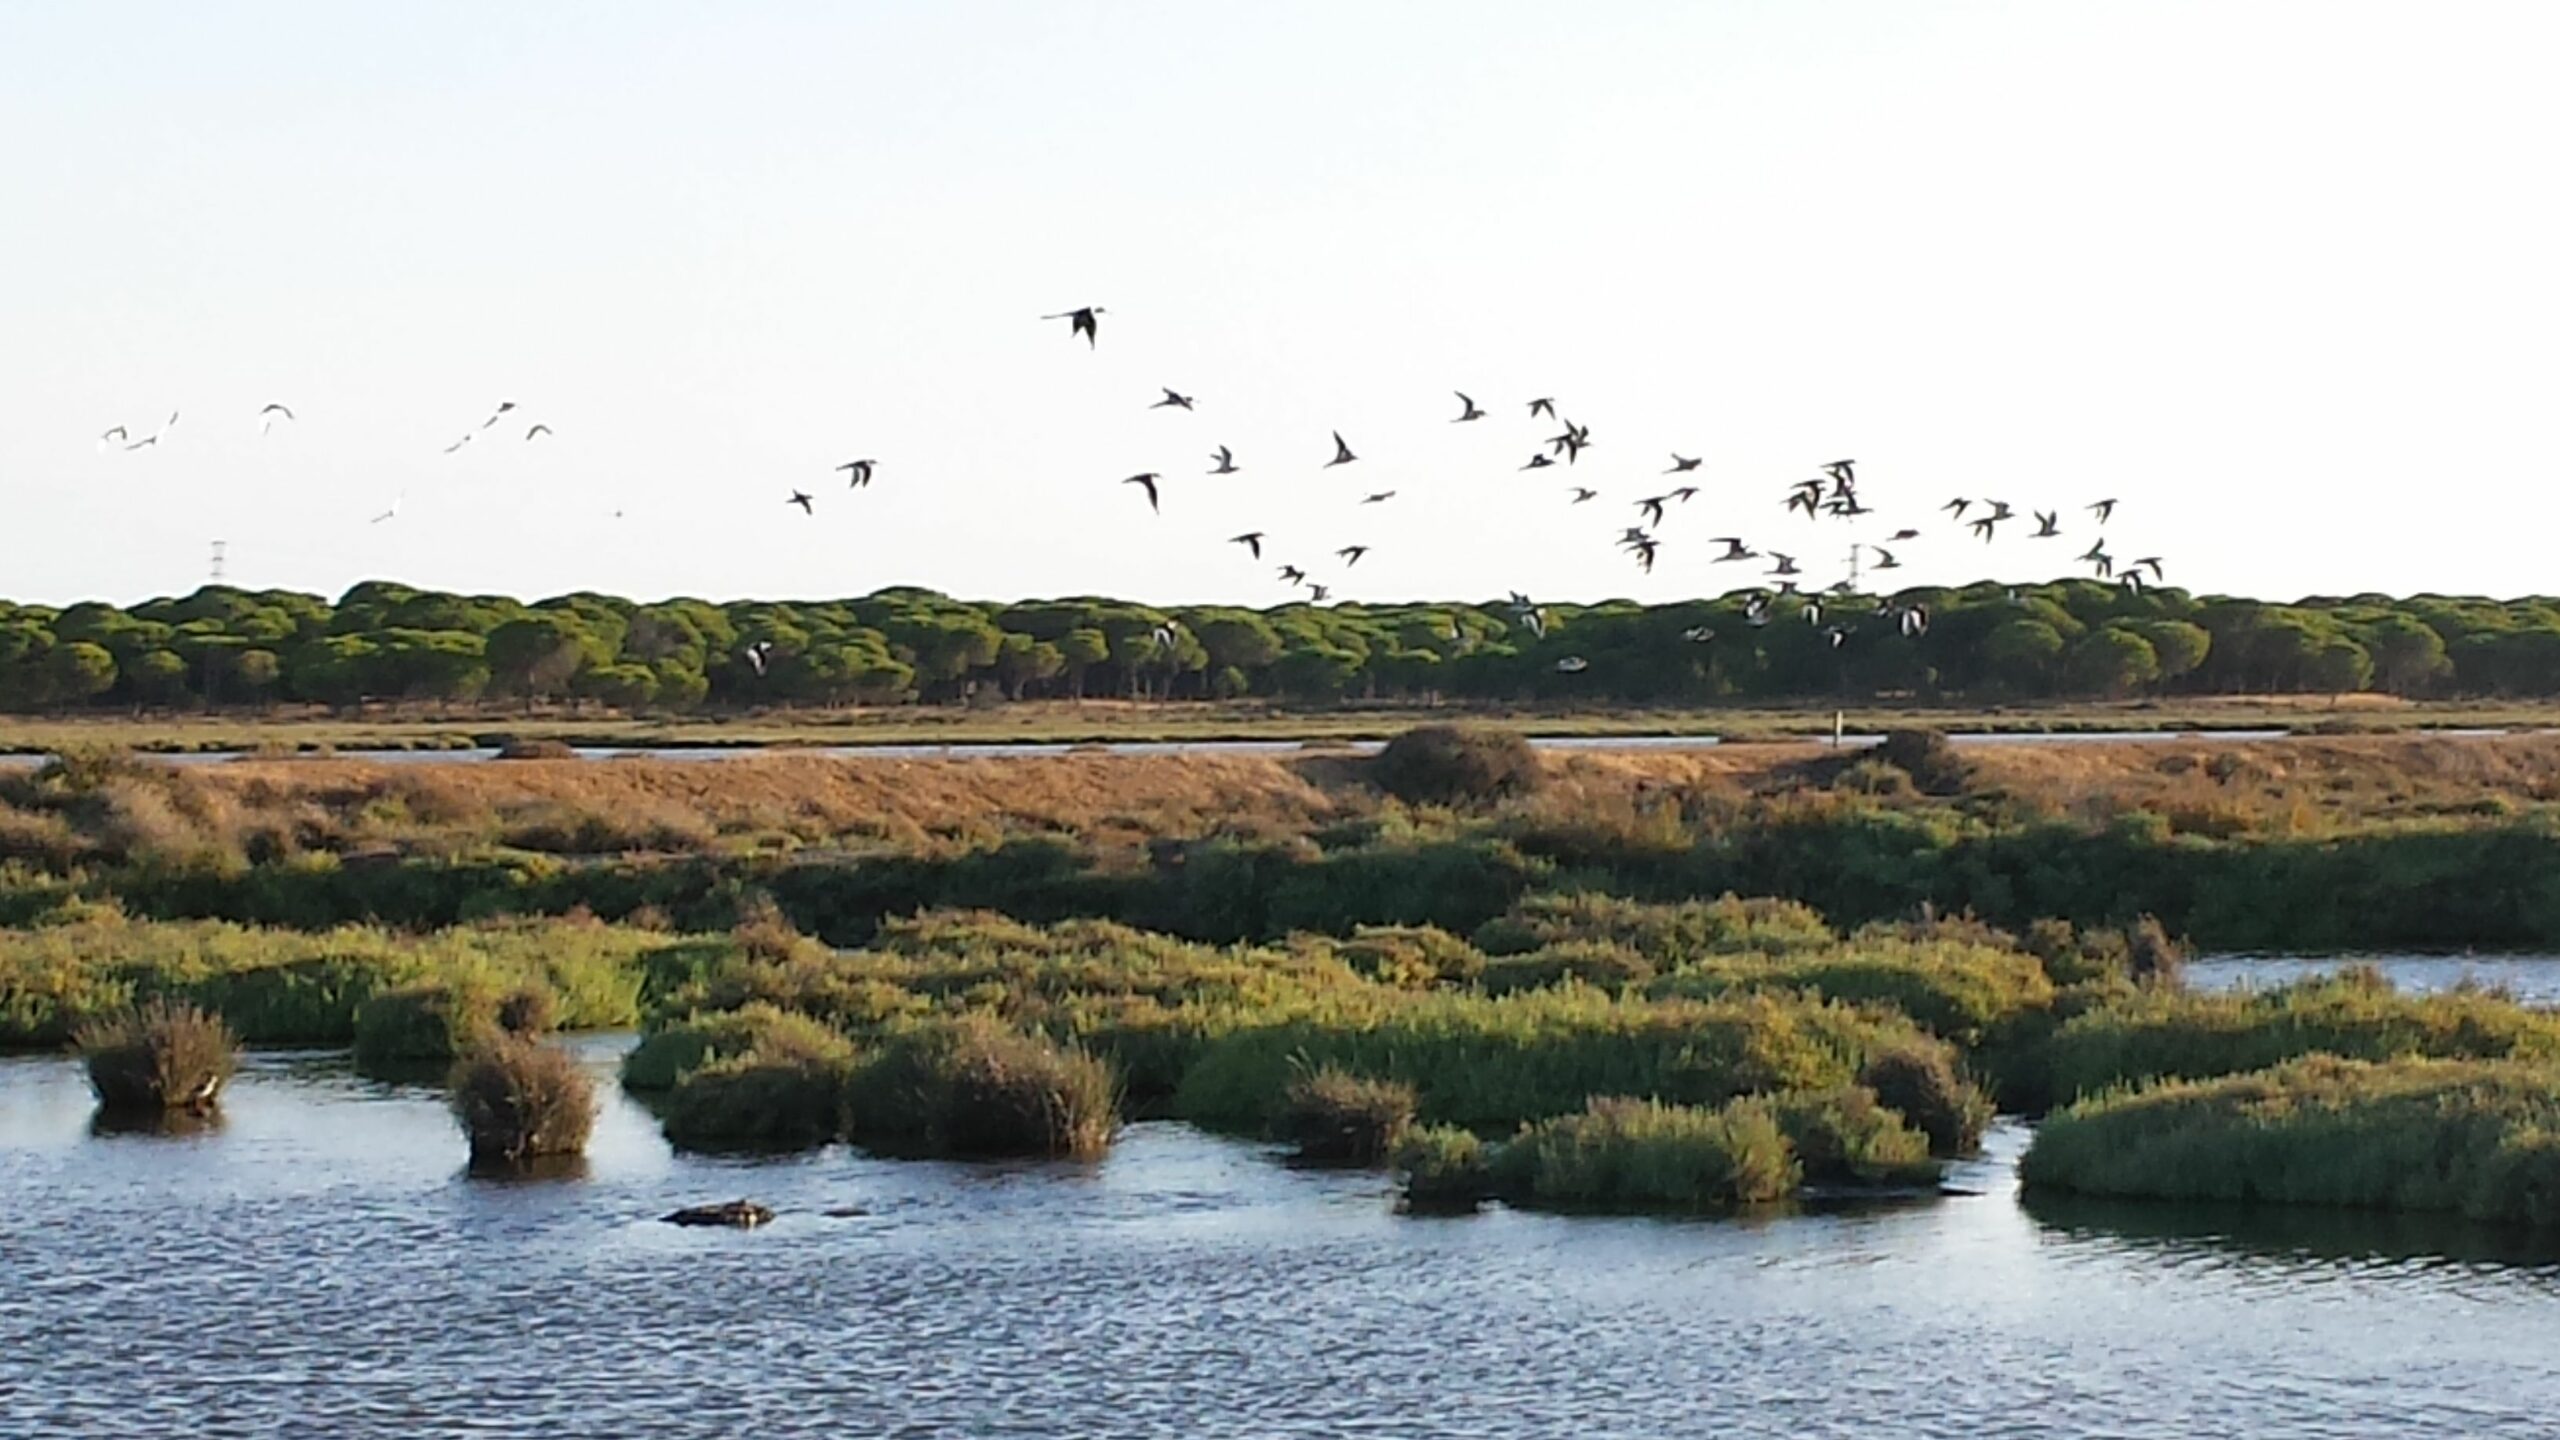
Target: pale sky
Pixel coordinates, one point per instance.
(2278, 276)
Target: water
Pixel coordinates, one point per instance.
(2531, 979)
(320, 1266)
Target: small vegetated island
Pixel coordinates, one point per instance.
(1690, 981)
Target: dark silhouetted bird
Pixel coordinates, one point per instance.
(1379, 498)
(503, 407)
(1581, 494)
(1734, 549)
(537, 430)
(2105, 510)
(858, 472)
(1251, 540)
(1898, 536)
(1179, 402)
(267, 417)
(1537, 462)
(2048, 524)
(1147, 480)
(1542, 407)
(1079, 322)
(1652, 507)
(1471, 412)
(1351, 554)
(1684, 494)
(1884, 558)
(801, 499)
(1956, 507)
(1293, 574)
(1681, 464)
(1226, 459)
(1341, 452)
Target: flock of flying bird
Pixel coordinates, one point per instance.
(1831, 494)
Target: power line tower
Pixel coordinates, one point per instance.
(218, 548)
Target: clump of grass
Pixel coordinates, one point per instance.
(1588, 962)
(521, 1101)
(791, 1091)
(1623, 1154)
(1336, 1117)
(1844, 1136)
(1456, 765)
(2162, 1033)
(527, 1010)
(1667, 935)
(1412, 957)
(2481, 1138)
(974, 1087)
(159, 1058)
(516, 747)
(669, 1053)
(1928, 757)
(1921, 1084)
(430, 1022)
(1443, 1167)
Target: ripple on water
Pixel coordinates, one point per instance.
(320, 1265)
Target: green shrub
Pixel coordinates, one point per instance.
(159, 1058)
(1456, 765)
(1844, 1136)
(1340, 1118)
(1624, 1154)
(973, 1087)
(425, 1023)
(667, 1054)
(2159, 1033)
(792, 1092)
(1443, 1167)
(521, 1101)
(1589, 962)
(1920, 1083)
(527, 1010)
(2481, 1138)
(1669, 935)
(1413, 957)
(516, 747)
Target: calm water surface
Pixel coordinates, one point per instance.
(320, 1266)
(2531, 979)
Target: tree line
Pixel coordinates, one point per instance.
(223, 646)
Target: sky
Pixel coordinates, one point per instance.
(2279, 277)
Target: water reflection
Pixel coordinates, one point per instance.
(2531, 979)
(2296, 1232)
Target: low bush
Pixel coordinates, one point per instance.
(1588, 962)
(1623, 1154)
(158, 1058)
(425, 1023)
(1844, 1136)
(1669, 935)
(1929, 758)
(669, 1053)
(1412, 957)
(976, 1088)
(790, 1092)
(2170, 1034)
(1921, 1084)
(520, 1101)
(516, 747)
(2481, 1138)
(1443, 1167)
(1339, 1118)
(1456, 765)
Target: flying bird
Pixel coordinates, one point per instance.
(503, 407)
(1542, 407)
(267, 417)
(859, 471)
(756, 655)
(1685, 493)
(154, 437)
(1786, 563)
(1652, 508)
(1351, 554)
(1179, 402)
(2150, 563)
(1681, 464)
(1293, 574)
(1251, 540)
(458, 444)
(1472, 412)
(391, 514)
(537, 430)
(1148, 480)
(1734, 549)
(1079, 322)
(1698, 634)
(115, 435)
(801, 499)
(2105, 510)
(1318, 594)
(1581, 494)
(1884, 558)
(1378, 498)
(2048, 524)
(1572, 665)
(1984, 526)
(1843, 471)
(1915, 622)
(1226, 459)
(1341, 452)
(1537, 462)
(1956, 507)
(1898, 536)
(1644, 550)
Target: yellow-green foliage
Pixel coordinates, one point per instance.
(975, 1087)
(1481, 1061)
(295, 987)
(1845, 1136)
(1960, 990)
(791, 1091)
(2165, 1033)
(1622, 1154)
(2481, 1138)
(672, 1051)
(1443, 1167)
(1334, 1116)
(1667, 935)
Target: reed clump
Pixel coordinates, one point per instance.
(1457, 765)
(1335, 1117)
(975, 1088)
(675, 1049)
(2159, 1033)
(520, 1101)
(2478, 1138)
(1625, 1154)
(1443, 1168)
(158, 1058)
(791, 1090)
